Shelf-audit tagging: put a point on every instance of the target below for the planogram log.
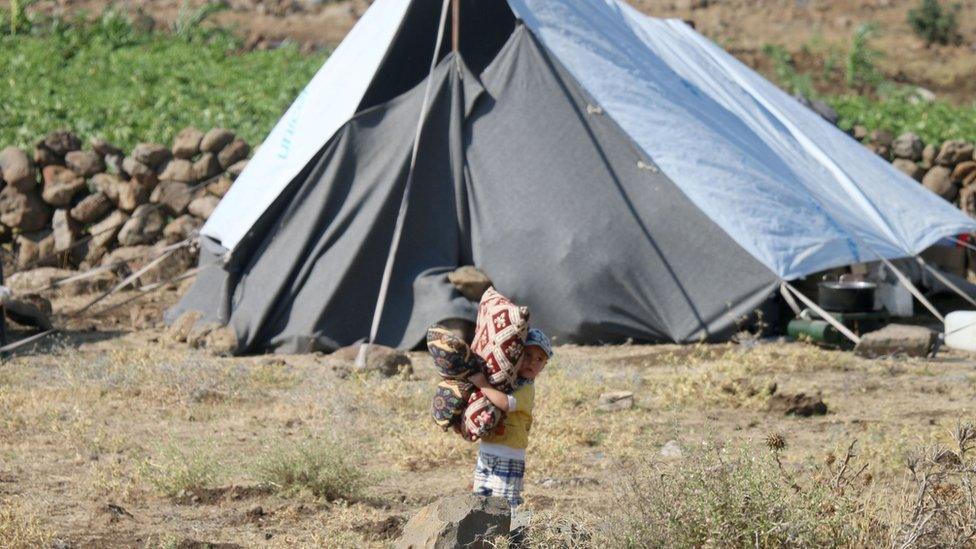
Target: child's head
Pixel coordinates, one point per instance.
(537, 353)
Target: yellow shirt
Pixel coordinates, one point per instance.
(513, 430)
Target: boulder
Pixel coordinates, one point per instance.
(859, 132)
(221, 341)
(61, 143)
(65, 230)
(910, 168)
(104, 232)
(151, 154)
(939, 181)
(144, 227)
(236, 169)
(181, 228)
(24, 211)
(879, 149)
(928, 156)
(967, 203)
(17, 169)
(35, 249)
(171, 266)
(139, 171)
(234, 152)
(954, 152)
(882, 137)
(132, 194)
(36, 279)
(84, 163)
(107, 184)
(379, 358)
(186, 144)
(470, 281)
(180, 328)
(908, 146)
(206, 167)
(173, 196)
(177, 169)
(91, 208)
(115, 165)
(215, 140)
(61, 185)
(800, 404)
(615, 401)
(964, 172)
(31, 311)
(103, 148)
(44, 157)
(897, 339)
(219, 187)
(204, 206)
(464, 520)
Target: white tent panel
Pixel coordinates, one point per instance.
(328, 102)
(793, 190)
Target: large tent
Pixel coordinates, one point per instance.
(621, 175)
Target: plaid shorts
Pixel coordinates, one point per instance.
(498, 476)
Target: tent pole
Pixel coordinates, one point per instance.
(456, 25)
(907, 283)
(824, 314)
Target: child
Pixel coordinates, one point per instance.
(501, 457)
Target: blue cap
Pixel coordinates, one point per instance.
(538, 338)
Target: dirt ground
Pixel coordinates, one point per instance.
(810, 29)
(111, 436)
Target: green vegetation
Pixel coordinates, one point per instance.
(114, 77)
(323, 469)
(900, 110)
(177, 470)
(862, 72)
(934, 24)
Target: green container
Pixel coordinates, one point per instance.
(818, 331)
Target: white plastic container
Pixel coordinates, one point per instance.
(960, 330)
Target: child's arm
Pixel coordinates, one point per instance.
(502, 401)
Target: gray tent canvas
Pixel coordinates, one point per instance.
(621, 175)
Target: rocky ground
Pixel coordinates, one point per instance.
(807, 28)
(114, 434)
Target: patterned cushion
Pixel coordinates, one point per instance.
(499, 337)
(480, 417)
(452, 356)
(450, 399)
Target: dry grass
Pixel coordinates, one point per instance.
(20, 526)
(323, 468)
(177, 470)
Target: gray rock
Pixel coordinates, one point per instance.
(104, 232)
(181, 228)
(939, 181)
(859, 132)
(35, 249)
(177, 169)
(235, 170)
(103, 148)
(44, 157)
(65, 230)
(140, 172)
(24, 211)
(61, 143)
(234, 152)
(219, 187)
(128, 258)
(964, 172)
(967, 203)
(171, 266)
(114, 164)
(91, 208)
(180, 328)
(954, 152)
(882, 137)
(151, 154)
(204, 206)
(132, 194)
(107, 184)
(206, 167)
(470, 281)
(909, 168)
(61, 185)
(380, 359)
(615, 401)
(17, 169)
(144, 227)
(908, 146)
(671, 450)
(928, 156)
(84, 163)
(457, 521)
(186, 144)
(216, 139)
(173, 196)
(34, 280)
(897, 339)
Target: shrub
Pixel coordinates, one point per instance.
(322, 468)
(934, 24)
(861, 72)
(177, 470)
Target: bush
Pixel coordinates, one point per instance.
(934, 24)
(861, 72)
(178, 471)
(322, 468)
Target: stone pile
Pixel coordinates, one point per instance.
(73, 207)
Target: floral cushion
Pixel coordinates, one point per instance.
(499, 337)
(480, 417)
(450, 399)
(452, 356)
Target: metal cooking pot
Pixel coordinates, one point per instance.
(847, 297)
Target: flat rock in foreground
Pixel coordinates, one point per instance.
(897, 339)
(463, 520)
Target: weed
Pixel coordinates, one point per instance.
(19, 527)
(935, 24)
(861, 72)
(323, 468)
(785, 71)
(188, 23)
(178, 470)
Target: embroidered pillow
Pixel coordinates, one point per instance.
(499, 337)
(480, 417)
(452, 356)
(450, 399)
